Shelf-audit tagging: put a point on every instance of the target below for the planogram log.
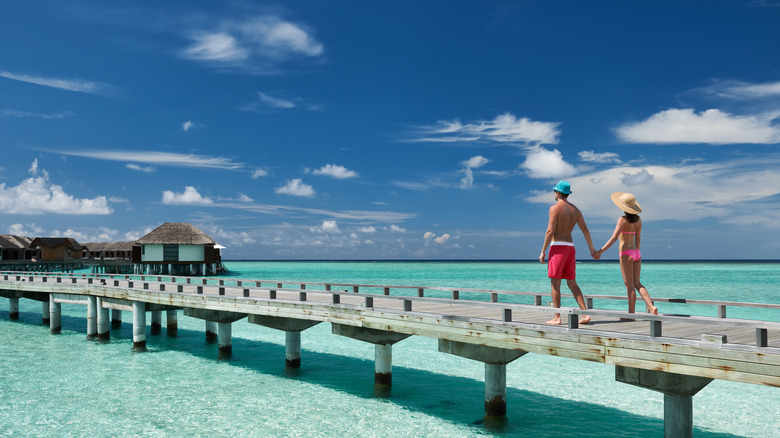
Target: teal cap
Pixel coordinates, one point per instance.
(563, 187)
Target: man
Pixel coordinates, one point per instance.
(563, 216)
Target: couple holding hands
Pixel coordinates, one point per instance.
(561, 265)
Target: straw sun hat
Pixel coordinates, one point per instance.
(626, 202)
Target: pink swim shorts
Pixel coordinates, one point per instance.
(562, 262)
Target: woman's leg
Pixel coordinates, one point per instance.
(627, 269)
(643, 290)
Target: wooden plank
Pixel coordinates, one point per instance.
(694, 371)
(726, 365)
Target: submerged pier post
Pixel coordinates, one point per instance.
(116, 318)
(211, 331)
(45, 312)
(103, 323)
(495, 360)
(383, 349)
(678, 390)
(55, 312)
(292, 328)
(172, 322)
(139, 326)
(225, 337)
(495, 389)
(13, 309)
(156, 327)
(383, 367)
(292, 349)
(91, 318)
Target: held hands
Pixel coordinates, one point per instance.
(596, 254)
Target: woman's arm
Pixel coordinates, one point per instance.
(614, 237)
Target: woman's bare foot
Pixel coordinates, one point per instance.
(585, 319)
(653, 310)
(554, 321)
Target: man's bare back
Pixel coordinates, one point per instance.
(563, 217)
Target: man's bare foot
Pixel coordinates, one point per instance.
(585, 319)
(653, 310)
(554, 321)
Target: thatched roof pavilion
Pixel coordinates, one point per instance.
(175, 233)
(176, 248)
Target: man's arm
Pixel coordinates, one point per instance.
(548, 235)
(585, 232)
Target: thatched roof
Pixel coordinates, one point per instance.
(10, 241)
(54, 242)
(109, 246)
(175, 233)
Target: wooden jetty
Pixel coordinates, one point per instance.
(677, 355)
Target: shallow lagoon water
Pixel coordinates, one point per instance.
(64, 385)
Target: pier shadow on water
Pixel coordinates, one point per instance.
(453, 399)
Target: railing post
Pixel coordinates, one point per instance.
(655, 329)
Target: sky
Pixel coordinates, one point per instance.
(392, 130)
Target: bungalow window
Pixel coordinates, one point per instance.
(171, 253)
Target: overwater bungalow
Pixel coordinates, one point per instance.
(56, 249)
(15, 248)
(109, 250)
(177, 249)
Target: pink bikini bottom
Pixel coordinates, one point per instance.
(632, 253)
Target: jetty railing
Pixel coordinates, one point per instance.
(469, 294)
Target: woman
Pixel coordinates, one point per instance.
(629, 232)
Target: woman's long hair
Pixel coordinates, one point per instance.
(631, 218)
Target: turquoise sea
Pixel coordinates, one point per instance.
(64, 385)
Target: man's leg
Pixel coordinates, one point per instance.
(577, 292)
(556, 299)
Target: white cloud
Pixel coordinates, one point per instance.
(328, 226)
(147, 169)
(443, 238)
(368, 229)
(595, 157)
(467, 182)
(476, 162)
(431, 237)
(76, 85)
(158, 158)
(259, 44)
(24, 114)
(190, 196)
(257, 173)
(738, 90)
(29, 230)
(227, 238)
(216, 46)
(505, 128)
(276, 102)
(295, 187)
(244, 198)
(543, 163)
(635, 178)
(711, 126)
(37, 195)
(189, 125)
(33, 167)
(335, 171)
(396, 229)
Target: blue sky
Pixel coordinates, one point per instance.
(392, 130)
